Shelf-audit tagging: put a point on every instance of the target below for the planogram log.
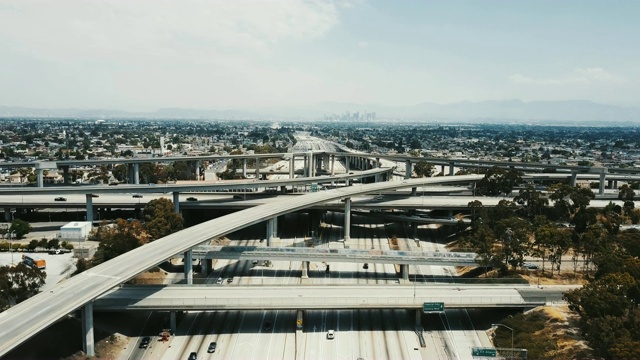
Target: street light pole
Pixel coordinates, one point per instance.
(503, 325)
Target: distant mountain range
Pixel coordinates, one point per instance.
(575, 112)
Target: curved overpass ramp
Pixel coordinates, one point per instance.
(35, 314)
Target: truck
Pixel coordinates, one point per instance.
(34, 262)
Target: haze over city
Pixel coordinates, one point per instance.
(309, 58)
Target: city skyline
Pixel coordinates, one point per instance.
(144, 56)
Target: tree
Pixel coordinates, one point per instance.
(118, 238)
(515, 235)
(20, 228)
(532, 201)
(498, 181)
(556, 243)
(160, 219)
(19, 283)
(423, 169)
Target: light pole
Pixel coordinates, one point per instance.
(503, 325)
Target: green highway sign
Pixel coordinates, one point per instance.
(432, 307)
(486, 352)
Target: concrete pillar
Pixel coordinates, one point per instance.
(414, 230)
(244, 168)
(610, 184)
(172, 321)
(88, 344)
(310, 165)
(305, 269)
(404, 269)
(130, 175)
(197, 170)
(347, 218)
(377, 162)
(333, 163)
(347, 163)
(292, 167)
(451, 172)
(176, 202)
(188, 267)
(272, 230)
(206, 265)
(602, 180)
(418, 318)
(414, 191)
(40, 175)
(65, 174)
(136, 173)
(89, 199)
(408, 169)
(7, 214)
(258, 168)
(574, 177)
(615, 184)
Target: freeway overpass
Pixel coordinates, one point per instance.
(35, 314)
(309, 297)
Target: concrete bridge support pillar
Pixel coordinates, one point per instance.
(615, 184)
(574, 178)
(40, 175)
(414, 230)
(89, 198)
(88, 344)
(414, 191)
(130, 173)
(206, 265)
(404, 269)
(378, 162)
(136, 173)
(292, 167)
(272, 230)
(347, 218)
(7, 214)
(197, 165)
(451, 172)
(347, 163)
(244, 168)
(602, 180)
(65, 175)
(258, 168)
(176, 202)
(188, 267)
(172, 321)
(610, 184)
(442, 169)
(418, 318)
(407, 169)
(305, 269)
(333, 163)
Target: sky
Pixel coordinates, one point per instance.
(143, 55)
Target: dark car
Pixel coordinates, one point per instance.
(229, 280)
(191, 198)
(94, 195)
(60, 198)
(193, 356)
(212, 347)
(266, 326)
(137, 196)
(145, 342)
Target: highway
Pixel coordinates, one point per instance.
(31, 316)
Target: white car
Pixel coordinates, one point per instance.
(219, 281)
(331, 334)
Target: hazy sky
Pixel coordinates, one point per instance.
(143, 55)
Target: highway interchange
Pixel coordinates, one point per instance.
(359, 333)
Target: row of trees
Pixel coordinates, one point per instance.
(560, 222)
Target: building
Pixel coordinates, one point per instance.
(75, 231)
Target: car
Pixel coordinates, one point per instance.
(60, 198)
(191, 198)
(113, 184)
(193, 356)
(219, 281)
(145, 342)
(378, 197)
(55, 252)
(230, 280)
(365, 266)
(137, 196)
(530, 266)
(331, 334)
(212, 347)
(266, 326)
